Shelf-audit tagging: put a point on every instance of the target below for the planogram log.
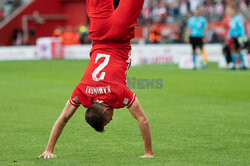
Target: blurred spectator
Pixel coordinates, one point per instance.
(208, 8)
(72, 36)
(146, 12)
(245, 9)
(84, 39)
(155, 34)
(194, 4)
(15, 4)
(159, 13)
(7, 8)
(211, 36)
(68, 36)
(32, 36)
(219, 8)
(58, 32)
(178, 34)
(17, 38)
(174, 9)
(1, 14)
(184, 7)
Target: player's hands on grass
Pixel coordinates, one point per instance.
(147, 155)
(47, 155)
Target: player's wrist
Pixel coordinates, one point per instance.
(49, 150)
(149, 152)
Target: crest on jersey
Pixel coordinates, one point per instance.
(125, 101)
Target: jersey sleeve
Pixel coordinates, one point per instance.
(205, 22)
(74, 99)
(241, 28)
(128, 97)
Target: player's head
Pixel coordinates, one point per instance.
(99, 115)
(231, 11)
(197, 12)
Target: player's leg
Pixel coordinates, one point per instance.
(193, 42)
(99, 8)
(127, 13)
(234, 52)
(203, 52)
(227, 53)
(239, 53)
(243, 65)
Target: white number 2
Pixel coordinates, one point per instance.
(100, 67)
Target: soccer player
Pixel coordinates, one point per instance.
(103, 85)
(197, 35)
(225, 22)
(235, 36)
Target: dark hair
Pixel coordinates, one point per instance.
(95, 117)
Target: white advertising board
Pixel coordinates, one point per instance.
(141, 54)
(18, 53)
(77, 52)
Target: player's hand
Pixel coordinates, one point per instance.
(47, 155)
(186, 40)
(147, 155)
(205, 40)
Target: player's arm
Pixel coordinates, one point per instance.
(205, 35)
(205, 31)
(241, 29)
(187, 35)
(188, 31)
(66, 114)
(137, 112)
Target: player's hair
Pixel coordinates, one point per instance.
(95, 117)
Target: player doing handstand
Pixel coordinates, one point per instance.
(103, 85)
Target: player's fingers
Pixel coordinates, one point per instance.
(53, 156)
(41, 156)
(146, 156)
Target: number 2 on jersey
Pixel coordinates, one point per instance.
(100, 67)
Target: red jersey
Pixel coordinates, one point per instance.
(226, 21)
(104, 79)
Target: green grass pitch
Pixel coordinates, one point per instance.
(198, 118)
